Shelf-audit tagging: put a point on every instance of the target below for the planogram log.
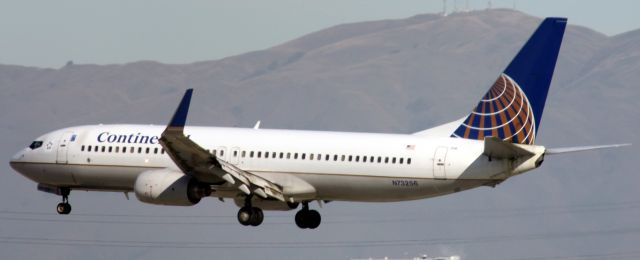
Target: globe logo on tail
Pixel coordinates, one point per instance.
(504, 112)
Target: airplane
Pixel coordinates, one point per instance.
(268, 169)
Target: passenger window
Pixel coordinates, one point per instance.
(266, 155)
(35, 145)
(221, 152)
(147, 150)
(364, 158)
(155, 150)
(124, 149)
(235, 153)
(243, 154)
(401, 160)
(104, 149)
(350, 157)
(357, 158)
(303, 155)
(288, 155)
(342, 157)
(408, 160)
(371, 159)
(132, 149)
(295, 156)
(326, 157)
(89, 148)
(139, 149)
(251, 154)
(335, 157)
(386, 159)
(319, 157)
(110, 148)
(117, 149)
(162, 151)
(82, 148)
(281, 155)
(214, 152)
(310, 156)
(379, 159)
(259, 154)
(393, 160)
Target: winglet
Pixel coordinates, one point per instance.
(180, 116)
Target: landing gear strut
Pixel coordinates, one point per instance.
(249, 215)
(306, 218)
(64, 208)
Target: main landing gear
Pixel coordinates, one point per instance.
(64, 208)
(249, 215)
(306, 218)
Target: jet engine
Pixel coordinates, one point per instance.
(166, 187)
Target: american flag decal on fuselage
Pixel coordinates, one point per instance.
(504, 112)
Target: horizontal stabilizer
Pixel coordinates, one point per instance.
(499, 149)
(582, 148)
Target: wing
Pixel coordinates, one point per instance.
(195, 161)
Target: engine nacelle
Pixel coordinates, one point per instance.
(166, 187)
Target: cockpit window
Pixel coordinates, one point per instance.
(35, 145)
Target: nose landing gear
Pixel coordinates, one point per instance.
(64, 208)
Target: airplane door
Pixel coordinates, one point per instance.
(63, 147)
(439, 160)
(235, 155)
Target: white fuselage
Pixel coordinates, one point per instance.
(315, 165)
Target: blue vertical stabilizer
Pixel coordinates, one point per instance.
(512, 109)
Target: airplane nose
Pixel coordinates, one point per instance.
(13, 164)
(15, 160)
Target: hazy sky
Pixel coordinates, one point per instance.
(49, 33)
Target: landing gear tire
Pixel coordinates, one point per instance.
(306, 218)
(250, 216)
(300, 222)
(313, 219)
(63, 208)
(256, 217)
(244, 216)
